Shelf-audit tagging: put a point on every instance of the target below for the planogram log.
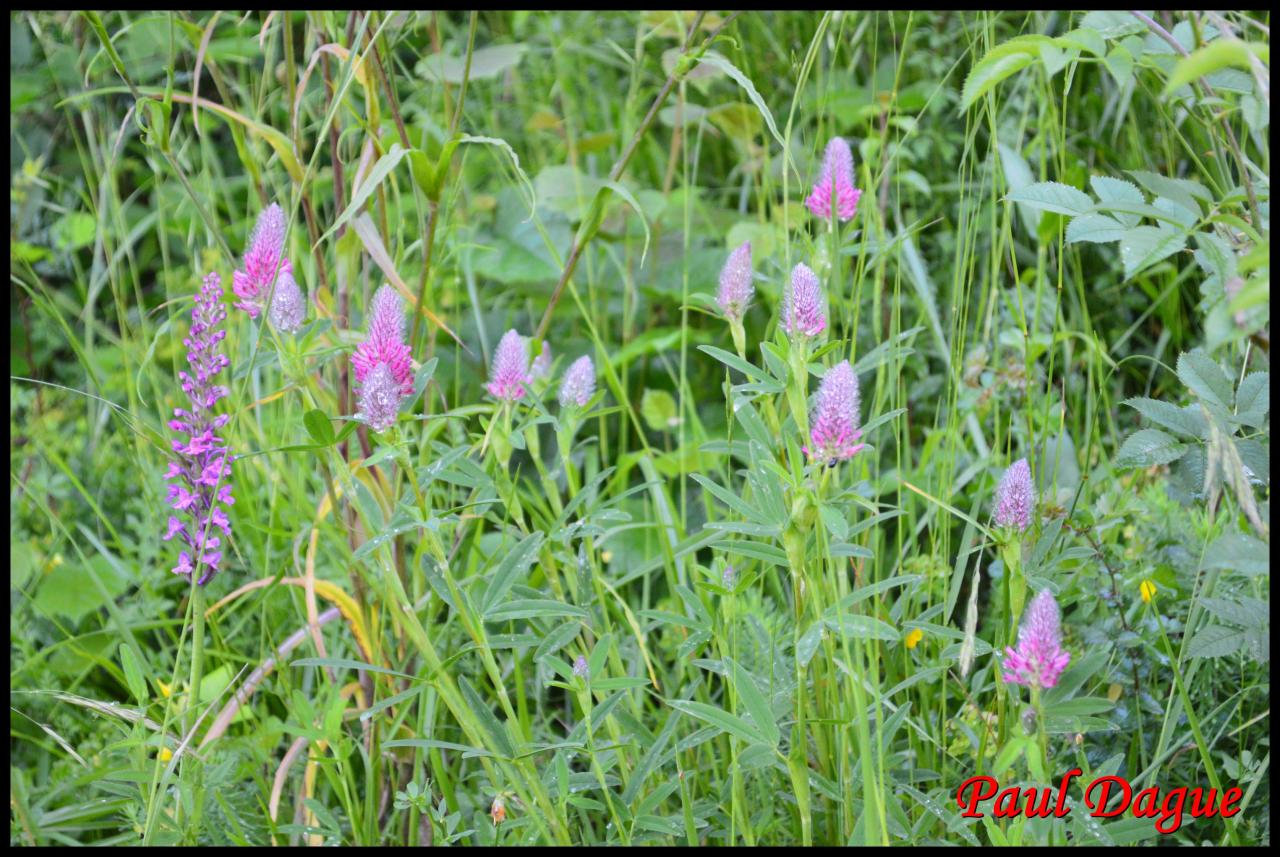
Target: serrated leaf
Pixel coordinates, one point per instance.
(1253, 399)
(1149, 446)
(1143, 246)
(1239, 552)
(1185, 192)
(1053, 196)
(1205, 378)
(1118, 190)
(1094, 228)
(1188, 421)
(1217, 55)
(1215, 641)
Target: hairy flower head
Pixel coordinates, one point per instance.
(802, 311)
(1015, 497)
(385, 341)
(263, 261)
(379, 398)
(579, 383)
(1039, 659)
(736, 288)
(510, 372)
(540, 367)
(835, 183)
(289, 306)
(834, 431)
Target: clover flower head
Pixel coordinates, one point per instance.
(579, 383)
(379, 398)
(510, 372)
(199, 485)
(1039, 659)
(264, 261)
(802, 311)
(541, 365)
(834, 431)
(1015, 497)
(385, 342)
(736, 288)
(289, 306)
(835, 183)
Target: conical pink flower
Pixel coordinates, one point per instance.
(834, 432)
(1015, 497)
(1039, 659)
(835, 183)
(510, 372)
(579, 383)
(263, 260)
(288, 307)
(802, 311)
(385, 342)
(541, 365)
(379, 398)
(736, 288)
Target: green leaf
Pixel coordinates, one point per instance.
(1094, 228)
(736, 362)
(1239, 552)
(1185, 192)
(486, 63)
(319, 427)
(719, 61)
(1206, 379)
(1217, 55)
(488, 721)
(757, 706)
(1009, 754)
(1215, 641)
(1119, 190)
(722, 720)
(1148, 447)
(1188, 421)
(376, 177)
(1143, 246)
(1253, 399)
(991, 70)
(512, 568)
(533, 608)
(133, 674)
(347, 663)
(867, 627)
(659, 410)
(1053, 196)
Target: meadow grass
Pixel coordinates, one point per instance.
(652, 618)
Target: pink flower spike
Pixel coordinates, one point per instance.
(835, 183)
(1039, 659)
(835, 433)
(385, 342)
(579, 383)
(736, 288)
(263, 261)
(510, 372)
(802, 311)
(379, 398)
(1015, 497)
(288, 307)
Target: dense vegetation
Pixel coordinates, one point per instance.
(714, 584)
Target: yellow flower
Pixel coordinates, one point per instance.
(165, 689)
(1147, 590)
(165, 754)
(914, 637)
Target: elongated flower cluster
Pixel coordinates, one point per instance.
(1015, 497)
(199, 480)
(835, 183)
(510, 372)
(834, 433)
(382, 365)
(1039, 659)
(540, 367)
(802, 311)
(264, 262)
(736, 288)
(579, 383)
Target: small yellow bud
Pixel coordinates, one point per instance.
(1148, 590)
(1114, 691)
(914, 637)
(165, 754)
(606, 556)
(165, 689)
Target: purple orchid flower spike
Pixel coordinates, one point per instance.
(199, 485)
(835, 430)
(835, 184)
(1039, 659)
